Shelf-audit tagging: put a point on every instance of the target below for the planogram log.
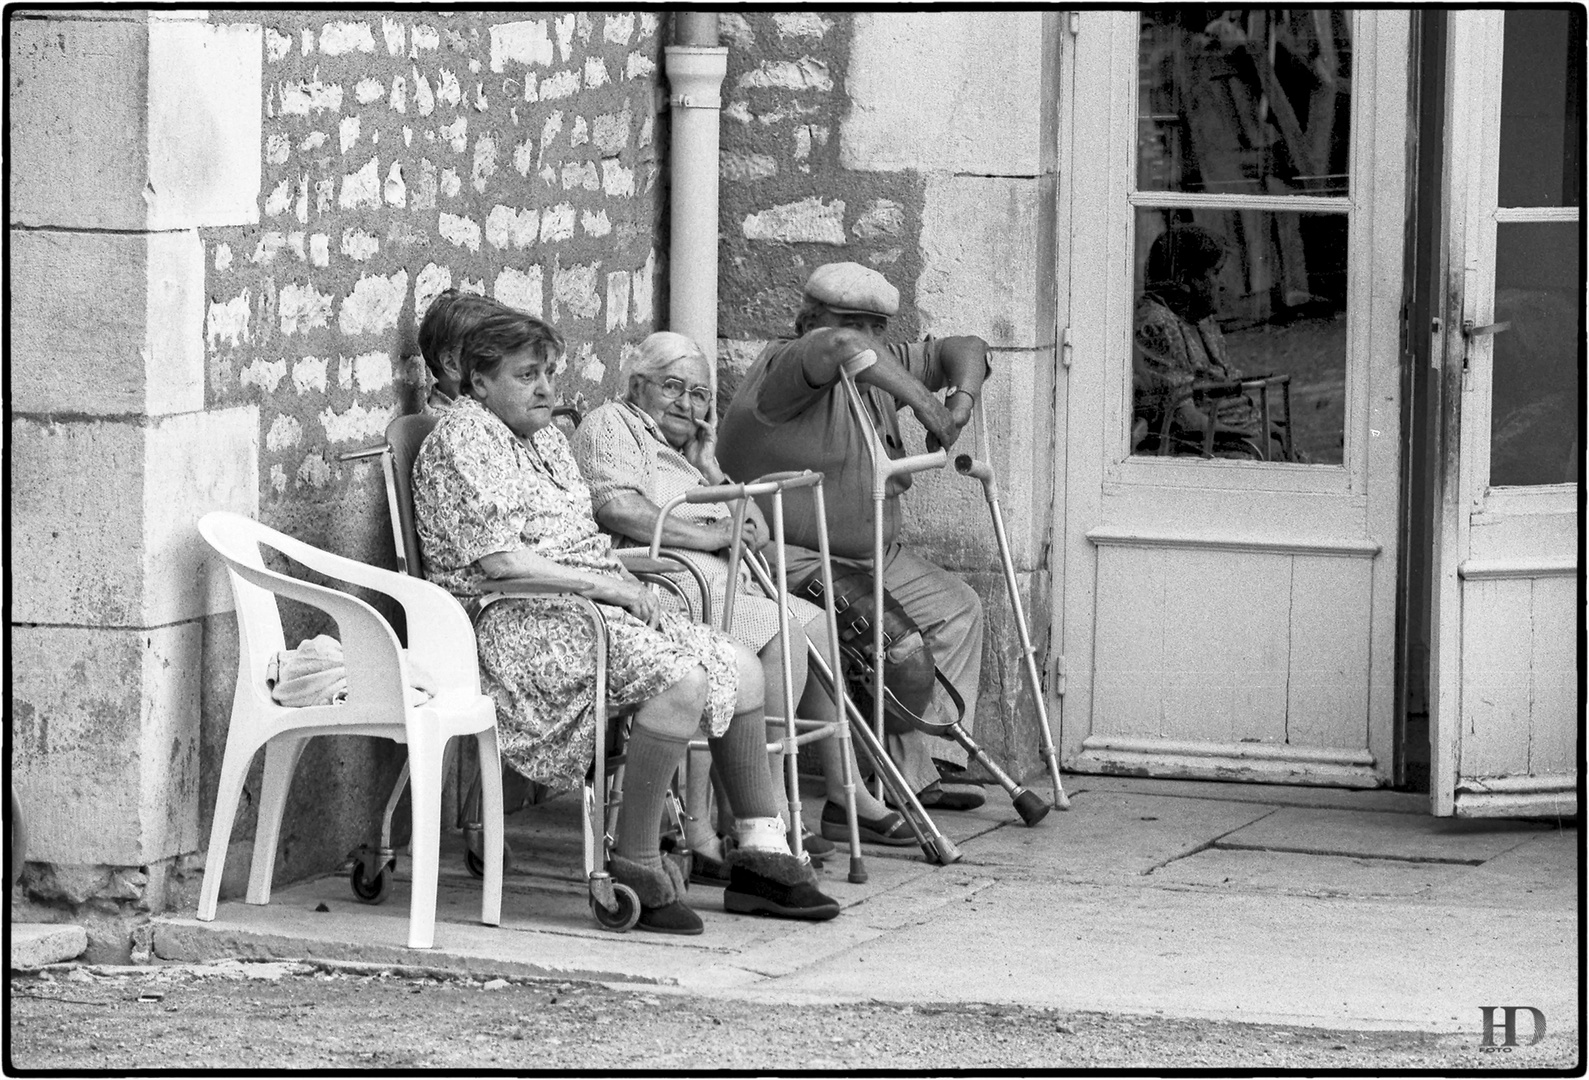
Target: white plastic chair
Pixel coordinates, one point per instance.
(439, 632)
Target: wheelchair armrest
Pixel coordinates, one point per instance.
(532, 586)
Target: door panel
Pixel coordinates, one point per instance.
(1505, 713)
(1233, 616)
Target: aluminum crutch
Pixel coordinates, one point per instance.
(1028, 804)
(982, 470)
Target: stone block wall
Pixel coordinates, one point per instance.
(403, 153)
(922, 144)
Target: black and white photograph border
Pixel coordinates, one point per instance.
(1204, 385)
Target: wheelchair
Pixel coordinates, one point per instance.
(1155, 429)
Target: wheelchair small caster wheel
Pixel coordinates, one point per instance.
(625, 912)
(475, 861)
(367, 889)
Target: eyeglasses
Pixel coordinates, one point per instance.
(674, 388)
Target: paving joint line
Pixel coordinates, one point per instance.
(1208, 844)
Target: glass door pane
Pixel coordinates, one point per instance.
(1535, 380)
(1541, 112)
(1248, 101)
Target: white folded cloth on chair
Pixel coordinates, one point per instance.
(315, 673)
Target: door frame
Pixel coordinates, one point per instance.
(1466, 294)
(1375, 307)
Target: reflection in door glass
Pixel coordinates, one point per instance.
(1240, 335)
(1534, 404)
(1244, 101)
(1541, 111)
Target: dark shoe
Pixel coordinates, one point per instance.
(934, 797)
(891, 829)
(662, 908)
(771, 883)
(705, 870)
(817, 847)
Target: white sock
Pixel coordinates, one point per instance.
(763, 834)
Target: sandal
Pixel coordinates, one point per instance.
(890, 830)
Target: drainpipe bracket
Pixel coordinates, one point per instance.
(695, 74)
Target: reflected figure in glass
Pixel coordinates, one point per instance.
(1188, 396)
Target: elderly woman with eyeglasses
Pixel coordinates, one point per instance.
(658, 441)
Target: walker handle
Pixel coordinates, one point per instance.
(765, 485)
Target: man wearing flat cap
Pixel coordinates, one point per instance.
(791, 412)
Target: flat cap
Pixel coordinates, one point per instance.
(851, 287)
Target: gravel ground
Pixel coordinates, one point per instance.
(271, 1016)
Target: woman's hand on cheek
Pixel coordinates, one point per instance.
(701, 451)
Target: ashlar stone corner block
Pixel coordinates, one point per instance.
(980, 111)
(948, 515)
(106, 741)
(981, 248)
(123, 124)
(75, 310)
(103, 515)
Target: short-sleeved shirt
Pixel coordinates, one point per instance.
(778, 420)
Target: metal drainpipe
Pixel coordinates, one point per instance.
(695, 68)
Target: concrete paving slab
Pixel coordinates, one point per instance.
(1278, 959)
(35, 944)
(1541, 872)
(1387, 802)
(1240, 871)
(1383, 836)
(1109, 834)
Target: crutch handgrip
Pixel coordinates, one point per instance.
(966, 465)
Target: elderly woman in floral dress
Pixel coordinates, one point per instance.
(657, 442)
(497, 494)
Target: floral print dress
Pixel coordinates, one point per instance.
(479, 489)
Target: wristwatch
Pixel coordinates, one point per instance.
(953, 390)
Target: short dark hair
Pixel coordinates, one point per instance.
(448, 318)
(498, 335)
(1182, 254)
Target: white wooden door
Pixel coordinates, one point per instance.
(1505, 714)
(1221, 618)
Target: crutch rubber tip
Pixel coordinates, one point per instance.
(857, 871)
(945, 850)
(1030, 805)
(1061, 801)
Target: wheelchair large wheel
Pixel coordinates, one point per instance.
(624, 915)
(370, 890)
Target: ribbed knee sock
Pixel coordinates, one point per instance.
(650, 762)
(740, 755)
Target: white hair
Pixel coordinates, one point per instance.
(655, 354)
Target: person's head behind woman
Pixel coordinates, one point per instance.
(1183, 265)
(668, 379)
(506, 363)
